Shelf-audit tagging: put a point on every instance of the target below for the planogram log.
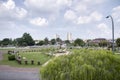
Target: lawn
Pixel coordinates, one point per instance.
(36, 56)
(39, 55)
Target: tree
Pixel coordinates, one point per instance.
(79, 42)
(118, 42)
(6, 41)
(67, 42)
(20, 42)
(27, 39)
(58, 40)
(41, 43)
(103, 43)
(53, 41)
(0, 43)
(46, 41)
(88, 42)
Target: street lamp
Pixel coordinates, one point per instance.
(112, 32)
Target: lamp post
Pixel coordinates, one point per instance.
(112, 32)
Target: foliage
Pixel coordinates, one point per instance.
(67, 42)
(28, 39)
(83, 65)
(103, 43)
(6, 41)
(53, 41)
(118, 42)
(0, 43)
(46, 41)
(25, 40)
(19, 42)
(58, 40)
(41, 43)
(11, 57)
(79, 42)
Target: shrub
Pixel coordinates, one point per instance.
(26, 62)
(83, 65)
(38, 63)
(11, 57)
(10, 52)
(32, 62)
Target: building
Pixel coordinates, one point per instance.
(98, 42)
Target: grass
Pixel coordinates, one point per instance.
(32, 54)
(36, 56)
(83, 64)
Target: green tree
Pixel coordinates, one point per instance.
(46, 41)
(27, 39)
(41, 43)
(6, 41)
(53, 41)
(118, 42)
(19, 42)
(79, 42)
(88, 42)
(0, 43)
(58, 40)
(67, 42)
(103, 43)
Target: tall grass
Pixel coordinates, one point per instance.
(83, 65)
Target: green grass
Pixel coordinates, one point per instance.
(83, 64)
(36, 56)
(117, 55)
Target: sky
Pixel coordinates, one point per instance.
(85, 19)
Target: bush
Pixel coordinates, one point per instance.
(83, 65)
(10, 52)
(11, 57)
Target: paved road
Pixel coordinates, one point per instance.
(13, 75)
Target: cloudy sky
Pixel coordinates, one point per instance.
(44, 18)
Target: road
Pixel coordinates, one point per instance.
(13, 75)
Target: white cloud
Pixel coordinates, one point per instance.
(80, 8)
(83, 20)
(94, 1)
(8, 10)
(70, 15)
(47, 5)
(104, 29)
(21, 12)
(116, 12)
(94, 16)
(39, 21)
(10, 4)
